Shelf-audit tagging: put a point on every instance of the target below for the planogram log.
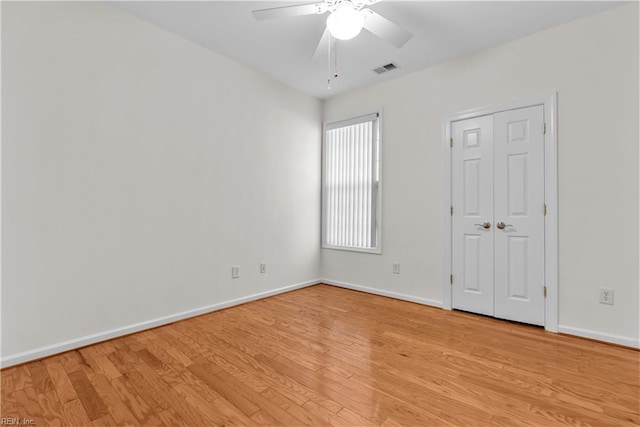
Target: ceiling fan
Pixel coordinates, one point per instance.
(345, 21)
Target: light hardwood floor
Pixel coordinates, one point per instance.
(329, 356)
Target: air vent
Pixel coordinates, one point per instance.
(383, 69)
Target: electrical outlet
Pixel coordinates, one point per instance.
(606, 296)
(396, 268)
(263, 267)
(235, 272)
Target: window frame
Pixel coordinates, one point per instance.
(333, 124)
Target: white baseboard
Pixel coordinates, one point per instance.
(599, 336)
(38, 353)
(376, 291)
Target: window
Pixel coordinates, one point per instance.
(351, 185)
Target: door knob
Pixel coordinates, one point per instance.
(486, 225)
(501, 225)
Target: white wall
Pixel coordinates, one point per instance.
(593, 64)
(137, 168)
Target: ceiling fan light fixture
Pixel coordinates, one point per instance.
(345, 22)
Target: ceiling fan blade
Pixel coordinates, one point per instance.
(385, 29)
(286, 11)
(359, 4)
(323, 44)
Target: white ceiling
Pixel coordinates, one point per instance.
(283, 48)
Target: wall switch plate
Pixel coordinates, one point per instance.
(606, 296)
(396, 268)
(235, 271)
(263, 267)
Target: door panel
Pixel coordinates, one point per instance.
(518, 286)
(472, 260)
(517, 184)
(472, 171)
(519, 202)
(472, 186)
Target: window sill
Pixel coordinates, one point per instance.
(374, 251)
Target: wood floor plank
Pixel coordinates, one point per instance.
(96, 360)
(199, 408)
(93, 404)
(226, 387)
(29, 406)
(175, 348)
(172, 371)
(9, 403)
(136, 402)
(342, 418)
(106, 421)
(390, 422)
(245, 399)
(52, 409)
(75, 414)
(232, 413)
(226, 357)
(167, 374)
(261, 418)
(40, 376)
(136, 383)
(228, 361)
(330, 356)
(353, 419)
(118, 409)
(72, 361)
(289, 332)
(160, 395)
(279, 342)
(163, 392)
(270, 378)
(392, 391)
(233, 336)
(61, 382)
(360, 402)
(301, 413)
(171, 418)
(21, 377)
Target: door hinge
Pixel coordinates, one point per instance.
(544, 291)
(545, 209)
(450, 142)
(451, 279)
(451, 210)
(544, 128)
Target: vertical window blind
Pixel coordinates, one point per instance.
(351, 178)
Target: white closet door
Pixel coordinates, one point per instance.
(519, 204)
(472, 190)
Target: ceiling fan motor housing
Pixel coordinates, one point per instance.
(345, 22)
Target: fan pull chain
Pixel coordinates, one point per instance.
(335, 61)
(329, 62)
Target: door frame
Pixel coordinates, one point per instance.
(549, 102)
